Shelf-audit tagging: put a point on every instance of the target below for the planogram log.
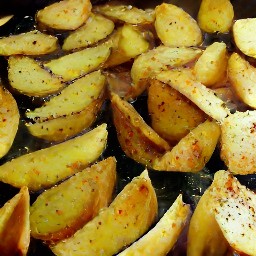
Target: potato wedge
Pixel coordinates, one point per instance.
(203, 97)
(138, 140)
(9, 120)
(126, 13)
(160, 240)
(172, 114)
(126, 219)
(211, 66)
(30, 43)
(14, 225)
(242, 76)
(215, 16)
(28, 77)
(243, 33)
(62, 210)
(175, 27)
(156, 60)
(238, 142)
(79, 63)
(45, 167)
(65, 15)
(192, 152)
(95, 29)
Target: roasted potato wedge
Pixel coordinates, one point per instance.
(156, 60)
(215, 16)
(27, 76)
(79, 63)
(172, 114)
(192, 152)
(14, 225)
(160, 240)
(138, 140)
(30, 43)
(175, 27)
(204, 98)
(65, 15)
(62, 210)
(9, 120)
(211, 66)
(126, 13)
(129, 216)
(45, 167)
(95, 29)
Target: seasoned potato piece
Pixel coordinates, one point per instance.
(62, 210)
(65, 15)
(79, 63)
(215, 16)
(126, 13)
(243, 79)
(211, 66)
(172, 114)
(14, 225)
(238, 142)
(30, 43)
(156, 60)
(203, 97)
(29, 78)
(138, 140)
(45, 167)
(175, 27)
(126, 219)
(192, 152)
(96, 28)
(243, 33)
(9, 120)
(160, 240)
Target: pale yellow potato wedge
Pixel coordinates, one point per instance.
(242, 76)
(192, 152)
(203, 97)
(238, 142)
(175, 27)
(127, 218)
(95, 29)
(65, 15)
(160, 240)
(79, 63)
(5, 19)
(156, 60)
(45, 167)
(60, 211)
(211, 66)
(172, 114)
(27, 76)
(30, 43)
(14, 225)
(138, 140)
(126, 13)
(9, 120)
(215, 16)
(243, 33)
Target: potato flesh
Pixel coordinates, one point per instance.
(128, 217)
(65, 15)
(79, 63)
(29, 78)
(215, 16)
(160, 240)
(175, 27)
(45, 167)
(30, 43)
(192, 152)
(62, 210)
